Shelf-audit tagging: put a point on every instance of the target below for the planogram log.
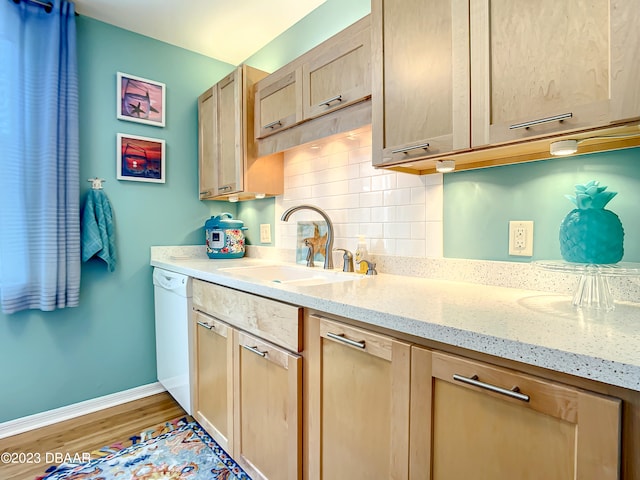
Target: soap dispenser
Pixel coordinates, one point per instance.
(360, 254)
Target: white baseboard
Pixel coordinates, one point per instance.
(38, 420)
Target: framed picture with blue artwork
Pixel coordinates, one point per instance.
(141, 100)
(315, 235)
(140, 159)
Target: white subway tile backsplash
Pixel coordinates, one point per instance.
(299, 193)
(397, 230)
(371, 199)
(383, 182)
(419, 230)
(340, 159)
(406, 180)
(401, 196)
(434, 203)
(434, 240)
(418, 195)
(383, 214)
(410, 248)
(359, 215)
(398, 213)
(328, 189)
(359, 185)
(410, 213)
(360, 155)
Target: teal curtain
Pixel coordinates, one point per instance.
(39, 160)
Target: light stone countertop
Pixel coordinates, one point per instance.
(528, 326)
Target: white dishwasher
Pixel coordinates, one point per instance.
(172, 299)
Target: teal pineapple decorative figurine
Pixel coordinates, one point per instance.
(590, 233)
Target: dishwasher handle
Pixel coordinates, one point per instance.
(172, 281)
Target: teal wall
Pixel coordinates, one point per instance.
(107, 344)
(323, 22)
(478, 204)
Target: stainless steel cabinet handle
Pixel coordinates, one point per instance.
(205, 325)
(424, 146)
(555, 118)
(255, 350)
(513, 393)
(328, 101)
(343, 339)
(225, 187)
(273, 125)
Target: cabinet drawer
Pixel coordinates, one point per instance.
(540, 395)
(377, 345)
(274, 321)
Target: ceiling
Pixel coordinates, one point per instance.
(227, 30)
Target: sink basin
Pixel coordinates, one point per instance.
(291, 275)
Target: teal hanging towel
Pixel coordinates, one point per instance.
(97, 230)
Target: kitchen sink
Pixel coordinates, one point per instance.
(291, 274)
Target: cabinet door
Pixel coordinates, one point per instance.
(359, 403)
(473, 420)
(268, 385)
(420, 100)
(207, 133)
(278, 102)
(545, 67)
(338, 73)
(230, 141)
(213, 379)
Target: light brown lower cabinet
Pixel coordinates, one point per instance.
(358, 419)
(213, 378)
(248, 390)
(268, 409)
(471, 420)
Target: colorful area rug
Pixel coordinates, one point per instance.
(175, 450)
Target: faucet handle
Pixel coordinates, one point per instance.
(310, 253)
(347, 259)
(371, 267)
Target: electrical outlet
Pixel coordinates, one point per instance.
(521, 238)
(265, 233)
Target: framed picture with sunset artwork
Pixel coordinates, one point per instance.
(140, 100)
(140, 159)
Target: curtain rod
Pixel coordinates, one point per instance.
(48, 6)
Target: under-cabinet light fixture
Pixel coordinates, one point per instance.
(445, 166)
(569, 147)
(233, 198)
(260, 195)
(563, 147)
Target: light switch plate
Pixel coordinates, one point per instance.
(265, 233)
(521, 238)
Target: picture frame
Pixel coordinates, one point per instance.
(141, 100)
(140, 159)
(316, 233)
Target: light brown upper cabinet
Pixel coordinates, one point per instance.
(228, 159)
(337, 73)
(546, 67)
(334, 75)
(278, 101)
(421, 92)
(489, 82)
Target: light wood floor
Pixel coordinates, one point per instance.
(85, 434)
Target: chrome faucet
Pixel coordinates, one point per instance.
(328, 250)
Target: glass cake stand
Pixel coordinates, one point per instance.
(593, 287)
